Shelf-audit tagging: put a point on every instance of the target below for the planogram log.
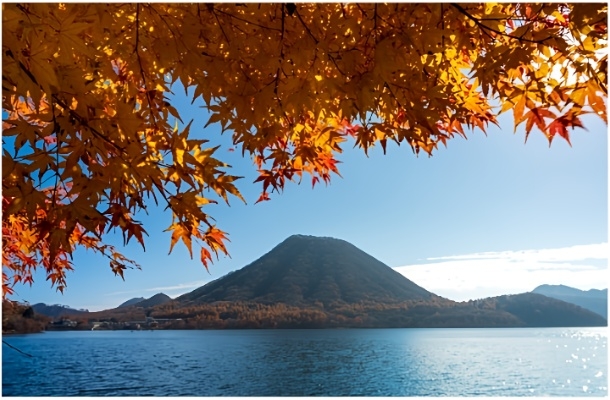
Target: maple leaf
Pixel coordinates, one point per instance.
(263, 197)
(560, 127)
(205, 257)
(536, 116)
(179, 232)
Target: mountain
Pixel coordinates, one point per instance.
(131, 302)
(158, 299)
(327, 282)
(308, 269)
(319, 282)
(537, 310)
(56, 310)
(594, 299)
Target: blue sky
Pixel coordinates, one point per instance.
(485, 216)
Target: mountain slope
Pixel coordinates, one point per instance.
(131, 302)
(594, 300)
(55, 310)
(537, 310)
(158, 299)
(313, 282)
(307, 269)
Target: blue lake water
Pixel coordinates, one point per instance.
(340, 362)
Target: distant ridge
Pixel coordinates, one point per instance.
(593, 299)
(56, 310)
(537, 310)
(307, 269)
(131, 302)
(158, 299)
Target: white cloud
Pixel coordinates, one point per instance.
(472, 276)
(179, 287)
(116, 298)
(158, 289)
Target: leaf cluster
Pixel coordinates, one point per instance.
(91, 132)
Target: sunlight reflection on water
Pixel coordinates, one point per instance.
(366, 362)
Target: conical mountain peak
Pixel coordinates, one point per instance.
(306, 269)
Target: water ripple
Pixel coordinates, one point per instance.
(375, 362)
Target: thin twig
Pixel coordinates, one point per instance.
(282, 36)
(220, 24)
(57, 130)
(334, 61)
(487, 28)
(137, 46)
(174, 36)
(16, 349)
(245, 20)
(375, 22)
(386, 85)
(306, 27)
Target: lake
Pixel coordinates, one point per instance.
(339, 362)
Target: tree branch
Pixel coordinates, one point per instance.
(487, 28)
(137, 45)
(16, 349)
(246, 21)
(213, 10)
(306, 27)
(72, 113)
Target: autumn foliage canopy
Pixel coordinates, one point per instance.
(91, 132)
